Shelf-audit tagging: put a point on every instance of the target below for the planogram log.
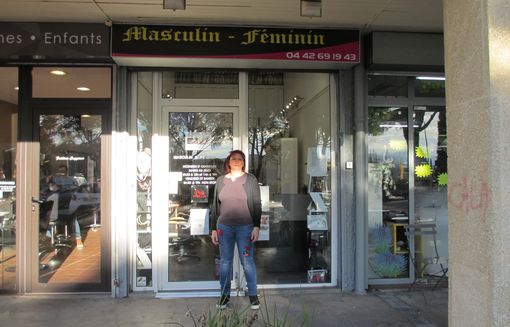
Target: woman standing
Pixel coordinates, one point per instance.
(235, 216)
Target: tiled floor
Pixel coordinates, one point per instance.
(82, 265)
(78, 266)
(8, 268)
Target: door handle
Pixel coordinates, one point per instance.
(34, 200)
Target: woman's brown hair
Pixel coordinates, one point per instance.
(226, 165)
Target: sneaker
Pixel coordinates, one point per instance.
(254, 302)
(223, 302)
(79, 244)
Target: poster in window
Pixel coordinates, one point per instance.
(199, 221)
(317, 276)
(264, 228)
(317, 222)
(199, 193)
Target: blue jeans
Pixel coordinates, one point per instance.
(228, 237)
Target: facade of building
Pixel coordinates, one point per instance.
(384, 162)
(117, 152)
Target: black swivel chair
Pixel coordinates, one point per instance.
(181, 236)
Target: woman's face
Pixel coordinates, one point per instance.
(236, 162)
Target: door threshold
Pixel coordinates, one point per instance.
(193, 293)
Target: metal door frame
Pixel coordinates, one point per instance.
(31, 219)
(160, 204)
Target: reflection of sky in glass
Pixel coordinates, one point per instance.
(217, 151)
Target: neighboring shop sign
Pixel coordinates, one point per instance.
(54, 41)
(289, 44)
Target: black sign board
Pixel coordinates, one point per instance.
(341, 46)
(54, 41)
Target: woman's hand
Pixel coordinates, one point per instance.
(255, 234)
(214, 237)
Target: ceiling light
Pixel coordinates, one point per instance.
(58, 72)
(174, 4)
(83, 88)
(311, 8)
(430, 78)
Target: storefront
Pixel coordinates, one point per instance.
(57, 96)
(407, 222)
(195, 94)
(108, 189)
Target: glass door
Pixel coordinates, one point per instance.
(196, 140)
(69, 236)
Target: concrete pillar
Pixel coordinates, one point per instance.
(477, 61)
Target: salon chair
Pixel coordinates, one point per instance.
(180, 237)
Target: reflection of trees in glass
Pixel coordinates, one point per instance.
(423, 120)
(61, 135)
(57, 130)
(218, 127)
(386, 122)
(261, 139)
(379, 116)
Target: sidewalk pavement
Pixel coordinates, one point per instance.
(329, 307)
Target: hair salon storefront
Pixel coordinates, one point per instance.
(196, 93)
(56, 107)
(129, 166)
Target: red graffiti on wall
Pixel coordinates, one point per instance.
(469, 196)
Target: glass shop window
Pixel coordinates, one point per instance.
(388, 191)
(143, 269)
(403, 239)
(431, 192)
(290, 153)
(8, 137)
